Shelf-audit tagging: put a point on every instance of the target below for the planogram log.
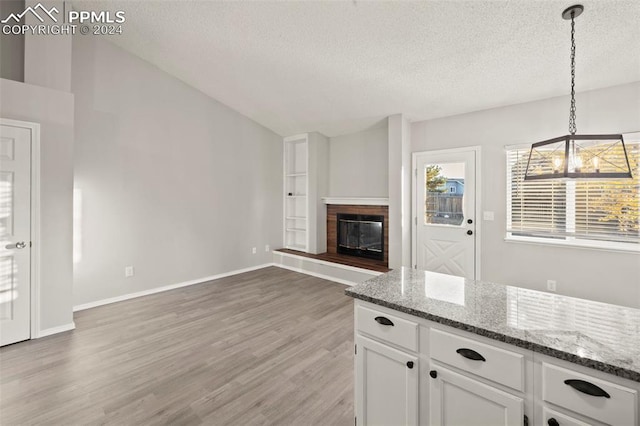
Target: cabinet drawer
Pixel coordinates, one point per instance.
(496, 364)
(389, 328)
(617, 407)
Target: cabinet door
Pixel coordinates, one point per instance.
(455, 399)
(553, 418)
(386, 385)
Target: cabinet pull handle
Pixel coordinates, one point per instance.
(553, 422)
(433, 374)
(410, 364)
(586, 387)
(470, 354)
(384, 321)
(526, 420)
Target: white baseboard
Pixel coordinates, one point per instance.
(317, 275)
(55, 330)
(128, 296)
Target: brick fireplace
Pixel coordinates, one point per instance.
(363, 210)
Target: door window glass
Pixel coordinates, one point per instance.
(444, 194)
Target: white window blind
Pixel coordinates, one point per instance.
(573, 210)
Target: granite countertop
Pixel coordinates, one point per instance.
(597, 335)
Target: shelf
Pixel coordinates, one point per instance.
(296, 230)
(296, 175)
(296, 218)
(296, 196)
(297, 247)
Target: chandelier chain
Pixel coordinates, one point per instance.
(572, 109)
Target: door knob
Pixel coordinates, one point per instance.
(469, 232)
(19, 245)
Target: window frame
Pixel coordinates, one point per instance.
(561, 241)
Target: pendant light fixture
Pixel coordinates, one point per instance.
(578, 156)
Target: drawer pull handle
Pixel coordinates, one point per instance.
(470, 354)
(586, 387)
(553, 422)
(384, 321)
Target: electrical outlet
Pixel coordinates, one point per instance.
(128, 271)
(254, 250)
(551, 285)
(267, 248)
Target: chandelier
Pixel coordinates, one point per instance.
(578, 156)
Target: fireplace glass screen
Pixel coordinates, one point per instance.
(361, 235)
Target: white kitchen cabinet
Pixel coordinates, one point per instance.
(456, 399)
(486, 383)
(306, 181)
(386, 385)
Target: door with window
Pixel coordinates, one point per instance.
(15, 234)
(445, 206)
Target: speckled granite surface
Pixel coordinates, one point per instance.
(597, 335)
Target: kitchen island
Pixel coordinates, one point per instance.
(437, 349)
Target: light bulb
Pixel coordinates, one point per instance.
(596, 164)
(557, 163)
(578, 163)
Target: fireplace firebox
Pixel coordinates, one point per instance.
(361, 235)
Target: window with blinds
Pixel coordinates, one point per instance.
(587, 211)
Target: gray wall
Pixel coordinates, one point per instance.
(358, 163)
(399, 158)
(53, 110)
(172, 182)
(606, 276)
(47, 58)
(11, 46)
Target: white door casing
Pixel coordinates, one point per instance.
(445, 237)
(15, 234)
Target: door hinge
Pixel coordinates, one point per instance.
(355, 349)
(415, 219)
(355, 421)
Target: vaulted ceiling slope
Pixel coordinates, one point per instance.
(341, 66)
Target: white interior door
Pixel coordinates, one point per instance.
(445, 206)
(15, 234)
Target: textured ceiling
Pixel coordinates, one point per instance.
(339, 67)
